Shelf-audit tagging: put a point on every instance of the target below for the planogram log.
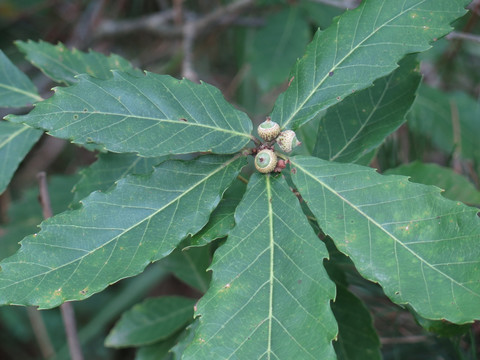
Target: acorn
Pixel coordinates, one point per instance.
(268, 130)
(287, 140)
(265, 161)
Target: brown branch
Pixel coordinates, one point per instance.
(46, 152)
(178, 10)
(412, 339)
(160, 23)
(5, 201)
(456, 35)
(85, 25)
(156, 24)
(189, 35)
(341, 4)
(68, 315)
(40, 332)
(222, 15)
(44, 195)
(457, 137)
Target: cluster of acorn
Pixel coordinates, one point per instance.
(266, 159)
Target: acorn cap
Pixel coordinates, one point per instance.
(287, 140)
(268, 130)
(265, 161)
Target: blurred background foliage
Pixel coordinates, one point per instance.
(246, 48)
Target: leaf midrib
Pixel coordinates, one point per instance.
(23, 92)
(370, 219)
(271, 279)
(315, 88)
(159, 120)
(14, 135)
(366, 122)
(222, 166)
(135, 328)
(58, 63)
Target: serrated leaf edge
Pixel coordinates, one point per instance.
(396, 240)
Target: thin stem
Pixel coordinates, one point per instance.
(159, 23)
(40, 332)
(44, 195)
(341, 4)
(68, 314)
(242, 179)
(255, 140)
(455, 35)
(189, 34)
(473, 345)
(412, 339)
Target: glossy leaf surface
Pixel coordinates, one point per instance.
(62, 64)
(151, 115)
(270, 294)
(16, 140)
(422, 248)
(359, 124)
(456, 186)
(157, 351)
(152, 320)
(109, 168)
(357, 339)
(222, 219)
(448, 120)
(360, 46)
(277, 45)
(184, 340)
(24, 214)
(116, 234)
(16, 89)
(190, 266)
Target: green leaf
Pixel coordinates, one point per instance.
(125, 295)
(359, 124)
(157, 351)
(357, 339)
(62, 65)
(277, 46)
(184, 340)
(360, 46)
(441, 327)
(270, 294)
(221, 222)
(190, 265)
(449, 120)
(16, 89)
(152, 115)
(153, 320)
(422, 248)
(15, 142)
(25, 214)
(307, 134)
(456, 186)
(116, 234)
(320, 14)
(109, 168)
(222, 219)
